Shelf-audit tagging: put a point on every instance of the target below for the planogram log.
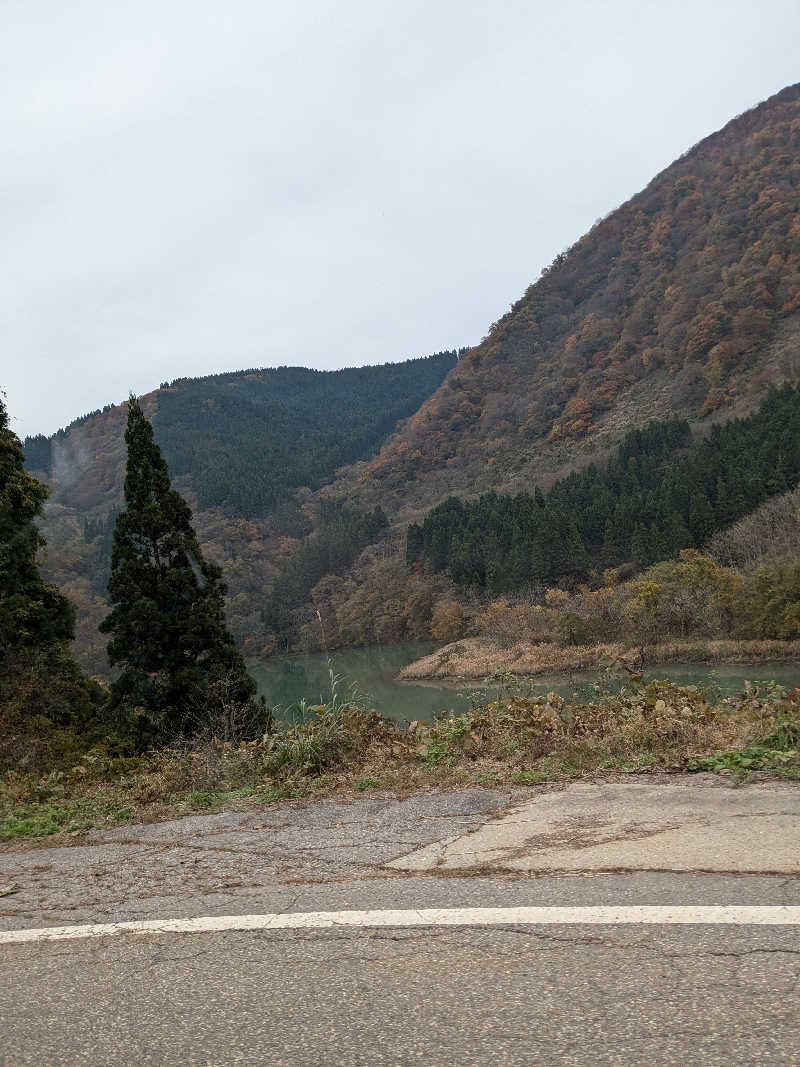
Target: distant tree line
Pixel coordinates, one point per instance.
(249, 439)
(263, 434)
(38, 448)
(652, 500)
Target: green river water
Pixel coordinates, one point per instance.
(285, 679)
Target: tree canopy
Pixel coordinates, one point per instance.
(264, 433)
(657, 496)
(45, 697)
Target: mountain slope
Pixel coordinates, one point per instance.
(245, 449)
(684, 301)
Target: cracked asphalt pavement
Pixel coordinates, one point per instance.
(449, 995)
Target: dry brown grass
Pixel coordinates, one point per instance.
(476, 657)
(658, 727)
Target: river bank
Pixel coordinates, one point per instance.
(476, 658)
(347, 748)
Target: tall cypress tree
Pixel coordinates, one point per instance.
(167, 624)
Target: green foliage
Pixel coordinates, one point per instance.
(447, 740)
(777, 749)
(38, 453)
(41, 820)
(651, 501)
(741, 762)
(772, 608)
(264, 433)
(571, 629)
(529, 777)
(341, 535)
(363, 785)
(49, 710)
(33, 614)
(201, 799)
(690, 595)
(167, 625)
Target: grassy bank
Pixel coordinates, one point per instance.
(475, 658)
(343, 747)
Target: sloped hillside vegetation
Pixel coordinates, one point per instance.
(684, 287)
(246, 449)
(645, 506)
(247, 440)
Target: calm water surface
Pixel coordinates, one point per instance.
(285, 679)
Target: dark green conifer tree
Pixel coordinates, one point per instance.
(167, 624)
(701, 518)
(48, 707)
(32, 613)
(641, 546)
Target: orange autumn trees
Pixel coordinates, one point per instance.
(692, 279)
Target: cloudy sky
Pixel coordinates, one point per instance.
(189, 187)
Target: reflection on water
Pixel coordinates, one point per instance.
(285, 679)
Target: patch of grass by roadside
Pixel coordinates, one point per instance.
(363, 785)
(346, 748)
(48, 817)
(742, 762)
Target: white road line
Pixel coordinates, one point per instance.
(715, 914)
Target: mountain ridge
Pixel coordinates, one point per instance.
(84, 466)
(690, 279)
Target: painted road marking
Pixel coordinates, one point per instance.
(715, 914)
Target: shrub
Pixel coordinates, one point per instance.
(571, 629)
(447, 621)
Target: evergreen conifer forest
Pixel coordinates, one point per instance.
(657, 496)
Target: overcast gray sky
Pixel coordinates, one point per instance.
(190, 187)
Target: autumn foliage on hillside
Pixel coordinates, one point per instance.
(691, 277)
(245, 448)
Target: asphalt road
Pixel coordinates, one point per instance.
(572, 994)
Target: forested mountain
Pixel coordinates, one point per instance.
(262, 434)
(245, 440)
(683, 301)
(625, 384)
(240, 446)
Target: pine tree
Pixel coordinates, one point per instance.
(641, 547)
(167, 624)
